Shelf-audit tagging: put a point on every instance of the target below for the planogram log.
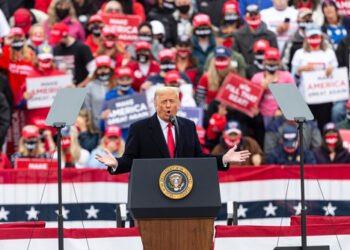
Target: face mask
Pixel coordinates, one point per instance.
(104, 77)
(331, 140)
(183, 53)
(231, 142)
(18, 45)
(271, 68)
(62, 13)
(258, 59)
(45, 64)
(314, 42)
(146, 38)
(30, 145)
(253, 22)
(65, 142)
(291, 150)
(304, 25)
(108, 44)
(37, 40)
(167, 67)
(125, 88)
(202, 32)
(184, 9)
(96, 30)
(142, 58)
(222, 64)
(169, 7)
(228, 42)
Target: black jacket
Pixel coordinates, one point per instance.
(343, 52)
(146, 140)
(5, 118)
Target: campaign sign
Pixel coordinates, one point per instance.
(345, 136)
(127, 110)
(192, 113)
(125, 26)
(318, 88)
(33, 163)
(45, 89)
(343, 7)
(239, 93)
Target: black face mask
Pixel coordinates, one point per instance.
(202, 32)
(30, 145)
(271, 68)
(142, 58)
(167, 67)
(96, 30)
(258, 61)
(18, 45)
(125, 88)
(169, 7)
(144, 37)
(184, 9)
(62, 13)
(104, 76)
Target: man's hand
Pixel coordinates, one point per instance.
(233, 156)
(107, 159)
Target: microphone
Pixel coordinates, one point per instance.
(173, 121)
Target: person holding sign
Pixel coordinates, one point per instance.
(156, 137)
(272, 74)
(315, 56)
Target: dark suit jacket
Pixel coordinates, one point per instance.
(146, 140)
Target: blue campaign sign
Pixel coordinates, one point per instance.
(195, 114)
(127, 110)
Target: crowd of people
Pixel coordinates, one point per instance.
(190, 44)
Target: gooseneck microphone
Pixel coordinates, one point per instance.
(173, 121)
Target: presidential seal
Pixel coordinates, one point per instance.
(175, 182)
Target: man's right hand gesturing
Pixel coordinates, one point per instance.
(107, 159)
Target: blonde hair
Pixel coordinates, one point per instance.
(88, 117)
(25, 54)
(214, 78)
(162, 90)
(39, 149)
(121, 148)
(51, 12)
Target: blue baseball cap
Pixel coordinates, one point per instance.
(222, 52)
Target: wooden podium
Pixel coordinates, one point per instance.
(174, 224)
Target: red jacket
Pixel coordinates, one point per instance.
(92, 45)
(139, 79)
(204, 84)
(17, 71)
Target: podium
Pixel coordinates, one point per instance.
(175, 202)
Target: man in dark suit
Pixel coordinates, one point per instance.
(157, 137)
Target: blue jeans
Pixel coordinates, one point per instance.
(338, 111)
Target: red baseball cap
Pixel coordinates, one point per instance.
(166, 53)
(23, 18)
(16, 31)
(95, 18)
(201, 19)
(172, 76)
(123, 71)
(58, 31)
(261, 45)
(113, 131)
(30, 131)
(103, 61)
(230, 5)
(142, 45)
(272, 54)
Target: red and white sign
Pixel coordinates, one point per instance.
(45, 89)
(239, 93)
(32, 163)
(125, 26)
(345, 135)
(317, 88)
(343, 7)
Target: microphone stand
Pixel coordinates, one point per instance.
(173, 121)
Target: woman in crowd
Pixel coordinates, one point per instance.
(102, 81)
(112, 47)
(30, 145)
(272, 74)
(37, 37)
(332, 150)
(63, 11)
(334, 25)
(88, 136)
(17, 60)
(315, 56)
(73, 155)
(112, 141)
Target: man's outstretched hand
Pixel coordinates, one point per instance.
(232, 156)
(107, 159)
